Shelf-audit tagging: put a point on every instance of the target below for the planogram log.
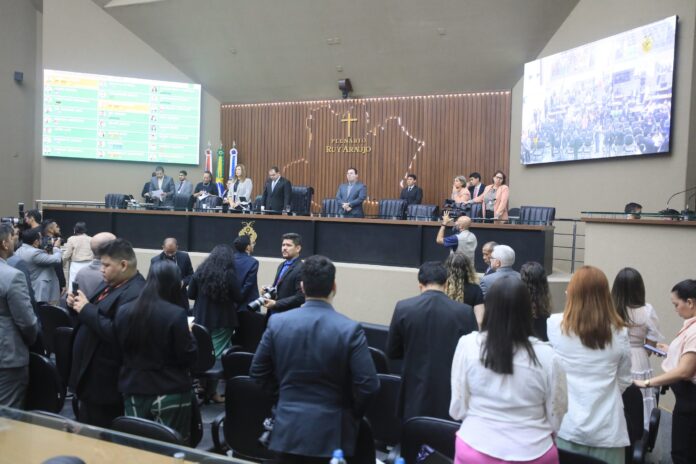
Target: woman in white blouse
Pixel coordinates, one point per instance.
(77, 254)
(628, 293)
(239, 189)
(592, 340)
(508, 388)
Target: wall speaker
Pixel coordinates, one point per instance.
(18, 76)
(345, 87)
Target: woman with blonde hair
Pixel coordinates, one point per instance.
(592, 340)
(460, 192)
(463, 283)
(239, 189)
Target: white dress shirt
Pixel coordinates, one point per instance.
(508, 416)
(596, 380)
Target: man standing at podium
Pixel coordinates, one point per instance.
(276, 193)
(351, 195)
(161, 186)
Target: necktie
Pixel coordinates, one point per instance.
(181, 184)
(273, 184)
(410, 188)
(350, 187)
(103, 294)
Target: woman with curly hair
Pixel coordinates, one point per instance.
(534, 277)
(462, 283)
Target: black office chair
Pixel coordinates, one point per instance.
(258, 202)
(421, 212)
(653, 427)
(376, 335)
(392, 209)
(380, 360)
(633, 412)
(439, 434)
(537, 215)
(476, 212)
(63, 339)
(251, 328)
(301, 200)
(247, 405)
(236, 363)
(51, 318)
(206, 366)
(196, 423)
(386, 424)
(364, 445)
(568, 457)
(209, 202)
(330, 207)
(45, 390)
(116, 200)
(141, 427)
(181, 202)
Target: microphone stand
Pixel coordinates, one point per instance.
(679, 193)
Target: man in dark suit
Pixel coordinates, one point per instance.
(160, 182)
(247, 268)
(288, 276)
(412, 193)
(424, 332)
(170, 251)
(475, 185)
(276, 193)
(319, 362)
(487, 251)
(96, 356)
(351, 195)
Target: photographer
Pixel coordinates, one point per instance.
(42, 254)
(51, 231)
(462, 241)
(289, 293)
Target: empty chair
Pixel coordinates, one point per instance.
(392, 209)
(250, 330)
(376, 335)
(476, 211)
(146, 428)
(386, 424)
(258, 202)
(206, 366)
(51, 318)
(116, 200)
(181, 202)
(63, 351)
(196, 423)
(301, 200)
(421, 212)
(45, 390)
(209, 202)
(439, 434)
(236, 363)
(380, 360)
(633, 411)
(247, 405)
(537, 215)
(330, 207)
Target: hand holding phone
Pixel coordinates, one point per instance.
(654, 350)
(75, 288)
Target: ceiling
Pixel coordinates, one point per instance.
(279, 50)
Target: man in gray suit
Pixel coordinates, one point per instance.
(351, 195)
(184, 186)
(163, 183)
(502, 259)
(18, 326)
(41, 264)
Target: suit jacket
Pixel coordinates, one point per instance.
(357, 196)
(96, 358)
(167, 187)
(290, 293)
(184, 188)
(19, 264)
(424, 332)
(319, 362)
(481, 187)
(414, 197)
(247, 268)
(488, 279)
(42, 268)
(213, 314)
(183, 261)
(18, 323)
(278, 198)
(90, 278)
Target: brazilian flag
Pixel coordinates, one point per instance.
(220, 171)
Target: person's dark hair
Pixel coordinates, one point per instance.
(508, 324)
(183, 172)
(6, 231)
(216, 275)
(475, 175)
(432, 272)
(413, 176)
(163, 283)
(502, 174)
(354, 170)
(241, 243)
(318, 276)
(29, 236)
(209, 173)
(119, 250)
(296, 238)
(685, 289)
(80, 228)
(632, 208)
(35, 214)
(159, 168)
(534, 277)
(628, 292)
(274, 168)
(154, 173)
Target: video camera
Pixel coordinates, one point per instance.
(455, 210)
(15, 221)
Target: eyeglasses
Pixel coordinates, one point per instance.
(498, 177)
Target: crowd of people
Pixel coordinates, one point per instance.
(486, 351)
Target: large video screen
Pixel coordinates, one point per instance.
(605, 99)
(90, 116)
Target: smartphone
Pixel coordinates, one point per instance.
(654, 350)
(75, 288)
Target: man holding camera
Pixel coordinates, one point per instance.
(289, 293)
(463, 240)
(42, 254)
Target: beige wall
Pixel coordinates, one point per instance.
(79, 36)
(17, 53)
(609, 184)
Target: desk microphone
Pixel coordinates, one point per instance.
(678, 193)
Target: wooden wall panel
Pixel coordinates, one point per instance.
(437, 137)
